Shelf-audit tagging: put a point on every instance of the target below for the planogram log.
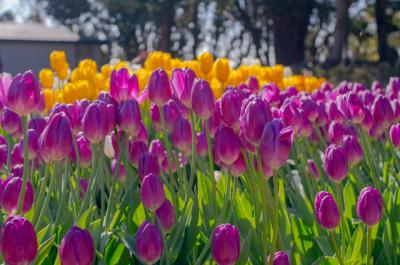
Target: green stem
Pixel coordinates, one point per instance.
(369, 245)
(46, 202)
(63, 194)
(26, 165)
(110, 200)
(9, 144)
(78, 175)
(275, 229)
(39, 201)
(335, 247)
(211, 165)
(193, 163)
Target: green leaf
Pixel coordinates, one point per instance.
(42, 233)
(245, 250)
(44, 249)
(354, 249)
(84, 220)
(349, 201)
(324, 245)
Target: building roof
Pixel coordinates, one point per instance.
(40, 33)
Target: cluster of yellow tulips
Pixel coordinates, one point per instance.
(65, 85)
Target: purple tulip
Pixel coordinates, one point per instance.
(253, 84)
(310, 109)
(292, 116)
(152, 192)
(107, 99)
(225, 245)
(203, 100)
(336, 164)
(382, 112)
(18, 242)
(370, 206)
(336, 132)
(231, 102)
(395, 135)
(280, 258)
(306, 128)
(143, 134)
(276, 142)
(96, 122)
(77, 247)
(159, 88)
(69, 111)
(148, 164)
(11, 189)
(271, 94)
(181, 135)
(335, 114)
(16, 157)
(172, 114)
(166, 215)
(353, 107)
(38, 124)
(23, 94)
(136, 149)
(84, 150)
(255, 113)
(312, 170)
(122, 86)
(149, 243)
(238, 167)
(3, 156)
(201, 144)
(128, 116)
(157, 148)
(55, 142)
(33, 145)
(353, 149)
(182, 81)
(11, 122)
(368, 121)
(214, 121)
(83, 183)
(322, 118)
(226, 145)
(326, 210)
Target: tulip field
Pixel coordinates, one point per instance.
(196, 162)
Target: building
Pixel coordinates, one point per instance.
(28, 46)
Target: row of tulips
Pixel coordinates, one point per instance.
(195, 180)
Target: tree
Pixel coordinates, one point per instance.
(385, 52)
(341, 31)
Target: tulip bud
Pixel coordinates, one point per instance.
(222, 69)
(312, 170)
(149, 243)
(276, 143)
(292, 115)
(336, 132)
(148, 164)
(38, 124)
(84, 151)
(18, 242)
(107, 99)
(128, 116)
(201, 144)
(172, 114)
(280, 258)
(143, 134)
(353, 149)
(166, 215)
(326, 210)
(253, 84)
(334, 113)
(206, 62)
(55, 142)
(231, 102)
(214, 121)
(84, 187)
(310, 109)
(255, 113)
(271, 94)
(159, 88)
(225, 245)
(336, 164)
(76, 247)
(121, 171)
(95, 122)
(238, 167)
(9, 197)
(16, 157)
(123, 86)
(370, 206)
(181, 135)
(226, 145)
(182, 82)
(203, 100)
(3, 156)
(23, 95)
(382, 112)
(157, 149)
(33, 146)
(368, 121)
(395, 135)
(152, 192)
(136, 149)
(10, 122)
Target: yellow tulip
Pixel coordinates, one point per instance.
(106, 70)
(58, 60)
(222, 69)
(46, 77)
(48, 97)
(63, 73)
(206, 60)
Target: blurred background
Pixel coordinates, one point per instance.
(343, 39)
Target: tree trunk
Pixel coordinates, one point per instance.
(290, 22)
(341, 31)
(167, 21)
(385, 52)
